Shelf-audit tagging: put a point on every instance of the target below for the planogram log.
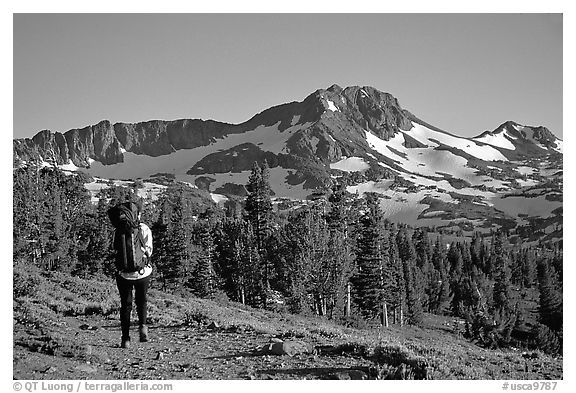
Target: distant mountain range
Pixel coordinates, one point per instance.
(510, 177)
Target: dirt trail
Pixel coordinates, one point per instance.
(173, 352)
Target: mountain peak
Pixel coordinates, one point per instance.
(335, 88)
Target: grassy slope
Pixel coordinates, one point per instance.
(50, 303)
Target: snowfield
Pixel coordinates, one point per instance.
(499, 140)
(351, 164)
(397, 205)
(424, 161)
(426, 136)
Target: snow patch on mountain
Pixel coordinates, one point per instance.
(498, 140)
(527, 183)
(559, 146)
(218, 198)
(525, 170)
(400, 206)
(426, 136)
(397, 206)
(69, 167)
(332, 107)
(351, 164)
(423, 161)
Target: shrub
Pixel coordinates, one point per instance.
(408, 365)
(547, 340)
(25, 284)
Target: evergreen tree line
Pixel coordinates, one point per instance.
(337, 258)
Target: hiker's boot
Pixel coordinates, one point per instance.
(143, 329)
(125, 343)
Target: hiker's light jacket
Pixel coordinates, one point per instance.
(147, 249)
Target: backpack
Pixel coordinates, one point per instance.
(127, 243)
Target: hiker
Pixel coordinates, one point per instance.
(133, 247)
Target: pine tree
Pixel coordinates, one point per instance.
(296, 254)
(501, 293)
(250, 270)
(412, 278)
(528, 268)
(368, 281)
(550, 304)
(422, 247)
(340, 258)
(441, 293)
(395, 285)
(176, 267)
(203, 280)
(258, 209)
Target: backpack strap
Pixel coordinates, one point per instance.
(141, 240)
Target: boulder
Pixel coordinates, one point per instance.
(289, 347)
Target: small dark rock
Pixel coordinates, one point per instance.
(213, 326)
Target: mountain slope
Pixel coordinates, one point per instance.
(356, 135)
(67, 328)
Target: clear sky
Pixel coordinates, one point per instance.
(465, 73)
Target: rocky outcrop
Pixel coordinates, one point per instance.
(157, 137)
(105, 142)
(96, 142)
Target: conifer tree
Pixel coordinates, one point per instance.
(501, 292)
(412, 278)
(422, 247)
(176, 266)
(258, 209)
(297, 257)
(368, 281)
(340, 259)
(441, 293)
(528, 268)
(550, 303)
(203, 280)
(395, 286)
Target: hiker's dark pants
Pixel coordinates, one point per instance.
(141, 296)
